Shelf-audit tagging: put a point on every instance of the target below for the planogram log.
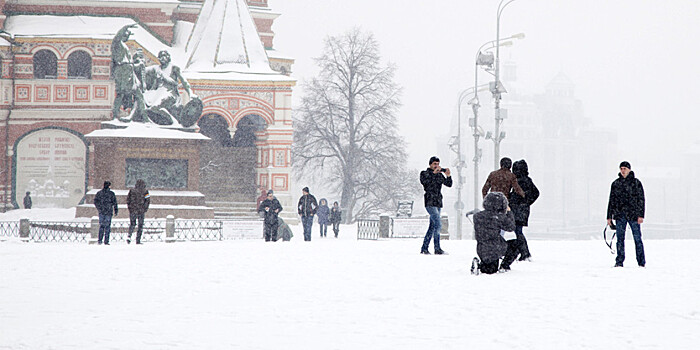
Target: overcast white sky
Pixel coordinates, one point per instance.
(634, 62)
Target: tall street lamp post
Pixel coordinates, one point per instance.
(457, 143)
(483, 58)
(497, 89)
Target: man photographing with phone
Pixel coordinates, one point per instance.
(432, 180)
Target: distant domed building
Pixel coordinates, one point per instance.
(56, 86)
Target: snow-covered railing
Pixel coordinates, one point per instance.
(198, 230)
(53, 231)
(9, 229)
(368, 229)
(389, 227)
(154, 230)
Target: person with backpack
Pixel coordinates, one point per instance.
(106, 204)
(626, 206)
(336, 217)
(137, 201)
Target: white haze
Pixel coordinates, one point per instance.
(632, 63)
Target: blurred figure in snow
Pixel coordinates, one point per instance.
(336, 218)
(322, 213)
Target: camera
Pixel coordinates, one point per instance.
(443, 170)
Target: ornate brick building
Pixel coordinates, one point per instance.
(55, 86)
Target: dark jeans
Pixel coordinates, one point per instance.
(522, 243)
(270, 231)
(511, 253)
(307, 222)
(433, 229)
(336, 228)
(324, 229)
(621, 223)
(105, 228)
(133, 217)
(488, 267)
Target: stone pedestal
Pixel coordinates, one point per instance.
(167, 159)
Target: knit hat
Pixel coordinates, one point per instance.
(305, 189)
(269, 192)
(626, 164)
(107, 184)
(433, 159)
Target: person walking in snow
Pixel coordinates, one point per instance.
(626, 206)
(307, 208)
(27, 201)
(521, 206)
(336, 217)
(270, 208)
(502, 180)
(106, 204)
(432, 181)
(137, 201)
(322, 215)
(490, 244)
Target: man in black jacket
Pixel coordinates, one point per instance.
(307, 208)
(106, 203)
(271, 208)
(626, 206)
(432, 181)
(488, 224)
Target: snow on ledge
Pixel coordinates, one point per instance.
(147, 131)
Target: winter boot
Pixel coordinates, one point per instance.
(475, 266)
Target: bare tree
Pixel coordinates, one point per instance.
(346, 132)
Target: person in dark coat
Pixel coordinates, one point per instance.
(27, 200)
(336, 217)
(137, 201)
(521, 205)
(106, 204)
(270, 208)
(307, 208)
(626, 206)
(502, 180)
(490, 244)
(432, 181)
(322, 214)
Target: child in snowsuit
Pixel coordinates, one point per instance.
(335, 218)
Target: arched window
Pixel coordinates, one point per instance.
(215, 127)
(45, 66)
(79, 65)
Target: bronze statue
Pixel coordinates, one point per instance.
(127, 89)
(154, 89)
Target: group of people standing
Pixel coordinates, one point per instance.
(307, 208)
(508, 196)
(137, 201)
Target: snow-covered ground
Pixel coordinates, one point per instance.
(344, 294)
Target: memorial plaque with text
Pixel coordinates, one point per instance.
(50, 164)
